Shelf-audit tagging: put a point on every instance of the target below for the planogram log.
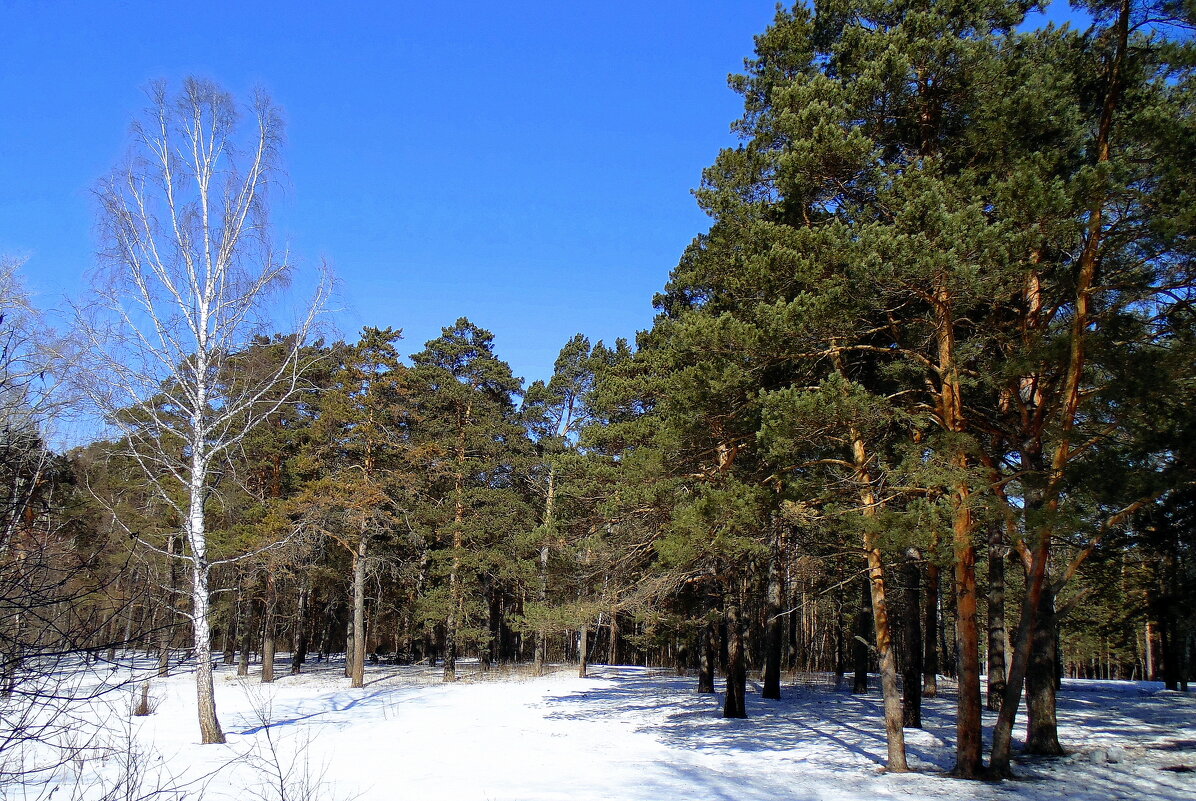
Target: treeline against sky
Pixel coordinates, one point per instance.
(918, 403)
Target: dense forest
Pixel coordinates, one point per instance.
(919, 404)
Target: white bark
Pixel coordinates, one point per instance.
(188, 273)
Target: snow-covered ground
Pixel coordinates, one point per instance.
(622, 733)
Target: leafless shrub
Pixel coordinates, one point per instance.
(284, 764)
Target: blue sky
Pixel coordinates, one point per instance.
(525, 164)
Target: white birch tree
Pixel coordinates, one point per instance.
(187, 273)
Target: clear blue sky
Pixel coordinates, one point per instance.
(525, 164)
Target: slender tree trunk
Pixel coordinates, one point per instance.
(245, 633)
(894, 736)
(492, 650)
(911, 706)
(268, 625)
(299, 634)
(456, 591)
(930, 649)
(882, 632)
(774, 626)
(1003, 730)
(859, 646)
(450, 626)
(583, 650)
(874, 604)
(541, 647)
(542, 630)
(996, 618)
(612, 653)
(235, 625)
(735, 705)
(127, 639)
(840, 645)
(707, 656)
(357, 675)
(166, 634)
(1148, 649)
(969, 761)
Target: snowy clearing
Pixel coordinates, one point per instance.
(623, 733)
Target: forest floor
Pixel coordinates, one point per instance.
(623, 733)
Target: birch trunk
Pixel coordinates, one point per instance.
(209, 724)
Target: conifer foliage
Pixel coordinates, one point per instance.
(943, 311)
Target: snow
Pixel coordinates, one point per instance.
(623, 733)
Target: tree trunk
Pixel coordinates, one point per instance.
(493, 650)
(245, 633)
(996, 618)
(612, 653)
(357, 671)
(209, 724)
(541, 647)
(1003, 730)
(230, 629)
(894, 736)
(268, 625)
(774, 625)
(299, 635)
(875, 593)
(930, 649)
(969, 761)
(840, 646)
(859, 646)
(735, 705)
(166, 634)
(1042, 727)
(542, 631)
(583, 650)
(456, 591)
(707, 656)
(911, 706)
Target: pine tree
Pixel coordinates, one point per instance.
(472, 436)
(555, 413)
(363, 444)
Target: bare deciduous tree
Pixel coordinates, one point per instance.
(187, 272)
